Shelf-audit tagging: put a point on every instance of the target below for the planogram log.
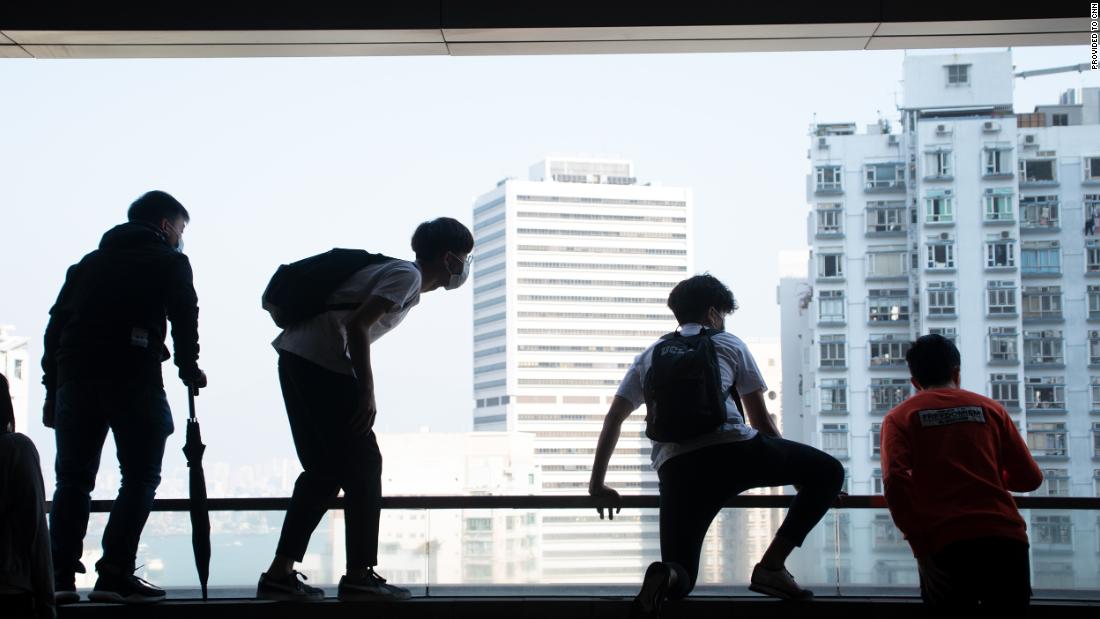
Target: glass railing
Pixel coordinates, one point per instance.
(557, 545)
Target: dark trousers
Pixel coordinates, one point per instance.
(336, 452)
(695, 485)
(987, 573)
(141, 420)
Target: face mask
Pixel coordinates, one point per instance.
(179, 244)
(457, 279)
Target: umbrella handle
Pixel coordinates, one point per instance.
(191, 393)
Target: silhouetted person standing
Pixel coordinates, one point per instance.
(104, 347)
(26, 571)
(950, 459)
(328, 387)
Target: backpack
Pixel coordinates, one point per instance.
(683, 393)
(300, 290)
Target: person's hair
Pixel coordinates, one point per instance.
(932, 360)
(434, 238)
(692, 298)
(7, 412)
(155, 206)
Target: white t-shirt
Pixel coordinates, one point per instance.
(323, 339)
(734, 362)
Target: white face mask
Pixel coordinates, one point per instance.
(457, 279)
(179, 235)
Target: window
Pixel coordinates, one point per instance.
(1000, 253)
(1041, 258)
(941, 299)
(1094, 301)
(834, 439)
(958, 74)
(876, 439)
(1055, 483)
(997, 161)
(834, 395)
(888, 306)
(886, 533)
(1039, 212)
(1044, 348)
(830, 219)
(1096, 440)
(941, 253)
(1047, 439)
(1002, 345)
(830, 265)
(1043, 303)
(939, 164)
(1052, 530)
(1092, 256)
(950, 333)
(1001, 298)
(828, 178)
(1039, 171)
(837, 527)
(1094, 347)
(1050, 575)
(998, 205)
(1005, 388)
(885, 217)
(830, 306)
(1094, 393)
(1045, 394)
(885, 176)
(887, 262)
(876, 481)
(1059, 120)
(833, 351)
(886, 393)
(1092, 168)
(17, 370)
(888, 351)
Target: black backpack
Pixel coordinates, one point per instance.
(683, 388)
(300, 290)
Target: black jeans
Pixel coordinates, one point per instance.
(336, 452)
(986, 573)
(141, 420)
(695, 485)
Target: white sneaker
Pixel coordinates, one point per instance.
(777, 583)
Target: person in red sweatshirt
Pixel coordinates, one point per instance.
(950, 458)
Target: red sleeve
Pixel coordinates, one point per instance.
(1018, 469)
(897, 481)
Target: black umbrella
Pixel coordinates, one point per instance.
(200, 514)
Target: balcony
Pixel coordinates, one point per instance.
(861, 590)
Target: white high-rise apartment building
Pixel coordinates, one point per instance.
(980, 224)
(571, 276)
(14, 358)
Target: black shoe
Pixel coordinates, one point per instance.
(124, 588)
(64, 589)
(655, 585)
(289, 588)
(369, 587)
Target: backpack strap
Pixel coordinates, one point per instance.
(733, 386)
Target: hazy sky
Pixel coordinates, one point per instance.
(277, 159)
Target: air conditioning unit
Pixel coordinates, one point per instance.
(1030, 140)
(990, 126)
(822, 143)
(892, 140)
(945, 236)
(1004, 234)
(989, 191)
(942, 129)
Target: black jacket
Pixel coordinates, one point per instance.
(109, 319)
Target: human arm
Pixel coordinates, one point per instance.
(896, 459)
(358, 328)
(59, 317)
(182, 308)
(609, 437)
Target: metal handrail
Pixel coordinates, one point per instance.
(765, 501)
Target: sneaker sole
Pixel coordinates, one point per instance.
(279, 596)
(364, 596)
(111, 597)
(62, 598)
(779, 593)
